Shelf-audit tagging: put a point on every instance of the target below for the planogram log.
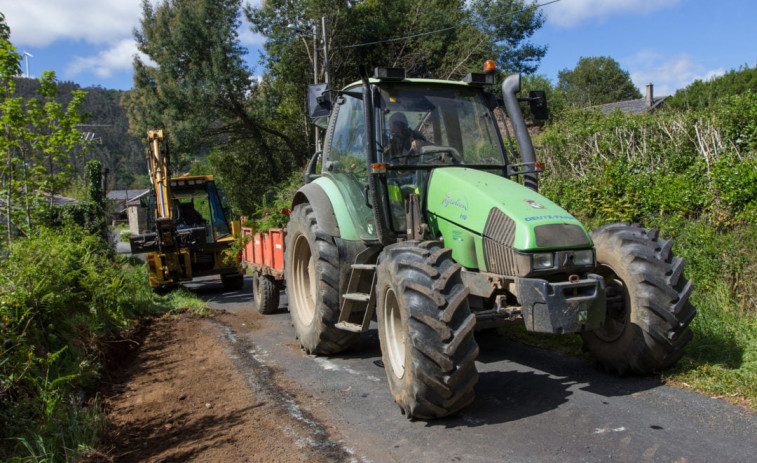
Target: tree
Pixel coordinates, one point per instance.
(199, 89)
(597, 80)
(37, 141)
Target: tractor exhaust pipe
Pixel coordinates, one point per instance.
(510, 87)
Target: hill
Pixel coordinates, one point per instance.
(120, 153)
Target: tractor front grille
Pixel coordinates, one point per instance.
(498, 237)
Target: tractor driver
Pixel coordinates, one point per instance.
(404, 143)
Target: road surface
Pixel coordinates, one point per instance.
(531, 405)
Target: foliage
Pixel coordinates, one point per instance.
(64, 301)
(121, 154)
(556, 100)
(693, 165)
(198, 88)
(271, 214)
(702, 93)
(596, 80)
(693, 174)
(38, 139)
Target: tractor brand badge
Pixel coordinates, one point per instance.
(459, 201)
(534, 204)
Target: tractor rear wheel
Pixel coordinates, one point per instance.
(312, 275)
(426, 330)
(648, 308)
(266, 293)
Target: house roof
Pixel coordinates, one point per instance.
(135, 201)
(125, 195)
(633, 106)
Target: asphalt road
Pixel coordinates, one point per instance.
(531, 405)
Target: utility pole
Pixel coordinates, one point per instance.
(327, 78)
(315, 53)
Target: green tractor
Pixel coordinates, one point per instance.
(421, 216)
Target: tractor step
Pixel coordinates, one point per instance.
(359, 297)
(364, 266)
(347, 326)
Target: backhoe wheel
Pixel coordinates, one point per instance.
(232, 282)
(648, 308)
(312, 275)
(265, 292)
(426, 329)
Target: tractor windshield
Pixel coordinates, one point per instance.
(424, 127)
(434, 125)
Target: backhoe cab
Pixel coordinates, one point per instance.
(189, 228)
(422, 216)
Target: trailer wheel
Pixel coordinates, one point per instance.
(312, 274)
(232, 282)
(426, 330)
(265, 291)
(648, 308)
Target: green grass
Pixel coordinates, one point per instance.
(124, 236)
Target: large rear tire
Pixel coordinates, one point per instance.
(426, 330)
(312, 275)
(648, 308)
(266, 293)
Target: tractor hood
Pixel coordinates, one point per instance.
(480, 214)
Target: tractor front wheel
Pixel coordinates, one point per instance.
(312, 275)
(425, 328)
(648, 308)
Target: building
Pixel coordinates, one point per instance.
(642, 105)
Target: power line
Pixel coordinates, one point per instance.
(541, 5)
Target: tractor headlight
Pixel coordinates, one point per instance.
(542, 260)
(583, 257)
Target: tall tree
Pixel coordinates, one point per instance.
(38, 139)
(198, 87)
(596, 80)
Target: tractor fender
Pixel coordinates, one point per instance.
(314, 194)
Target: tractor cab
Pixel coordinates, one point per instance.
(417, 125)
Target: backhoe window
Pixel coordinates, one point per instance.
(199, 206)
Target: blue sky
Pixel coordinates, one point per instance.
(667, 42)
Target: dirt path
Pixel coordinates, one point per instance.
(181, 398)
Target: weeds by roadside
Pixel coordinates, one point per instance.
(63, 296)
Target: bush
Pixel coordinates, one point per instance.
(61, 295)
(693, 174)
(636, 168)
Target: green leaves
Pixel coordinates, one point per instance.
(597, 80)
(692, 165)
(38, 141)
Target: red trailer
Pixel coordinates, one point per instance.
(264, 256)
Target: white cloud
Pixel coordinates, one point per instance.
(248, 38)
(570, 13)
(668, 74)
(117, 58)
(41, 22)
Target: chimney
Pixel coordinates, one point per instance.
(650, 95)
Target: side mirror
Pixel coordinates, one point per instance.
(537, 102)
(319, 100)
